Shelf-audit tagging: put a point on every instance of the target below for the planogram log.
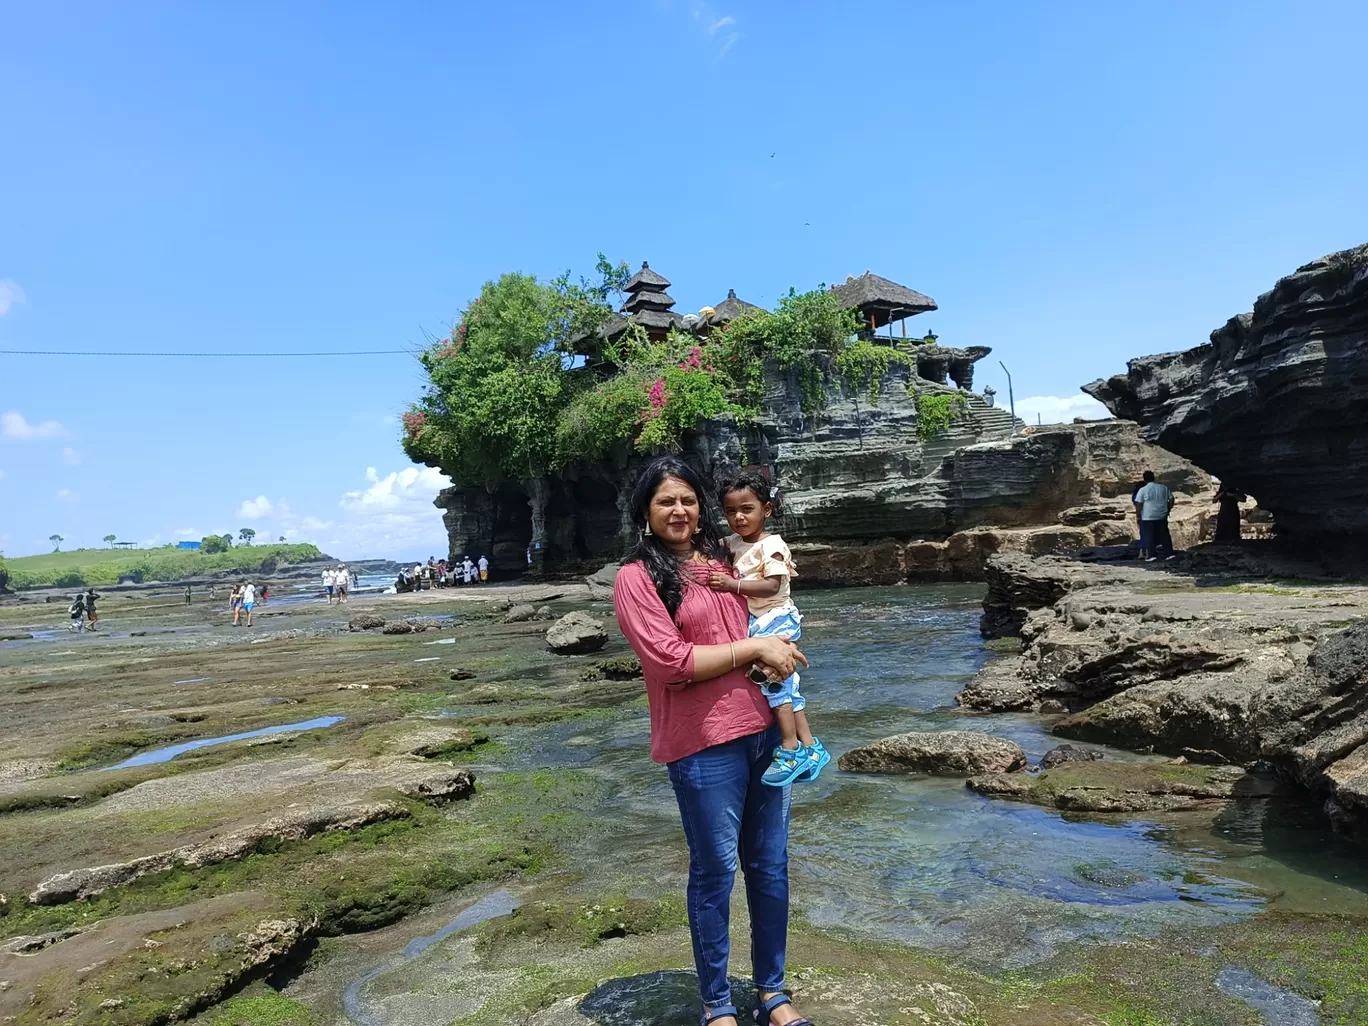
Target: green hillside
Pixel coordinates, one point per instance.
(104, 566)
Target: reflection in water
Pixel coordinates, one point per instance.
(167, 754)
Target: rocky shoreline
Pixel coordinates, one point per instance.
(1266, 675)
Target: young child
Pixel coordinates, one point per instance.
(765, 567)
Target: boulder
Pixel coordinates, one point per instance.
(365, 622)
(397, 627)
(576, 633)
(461, 674)
(545, 613)
(1276, 403)
(520, 613)
(951, 753)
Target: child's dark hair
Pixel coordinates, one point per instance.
(757, 483)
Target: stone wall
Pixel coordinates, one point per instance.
(1276, 404)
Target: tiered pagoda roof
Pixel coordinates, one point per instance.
(731, 308)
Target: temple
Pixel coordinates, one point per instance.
(852, 449)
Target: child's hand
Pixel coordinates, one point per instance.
(721, 582)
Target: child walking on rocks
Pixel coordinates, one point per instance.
(765, 567)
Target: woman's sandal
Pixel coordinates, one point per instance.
(768, 1005)
(720, 1012)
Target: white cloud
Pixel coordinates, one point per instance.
(70, 456)
(1053, 409)
(255, 509)
(10, 295)
(720, 23)
(719, 28)
(14, 425)
(67, 495)
(392, 516)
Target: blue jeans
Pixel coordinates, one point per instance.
(726, 809)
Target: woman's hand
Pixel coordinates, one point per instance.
(721, 582)
(779, 656)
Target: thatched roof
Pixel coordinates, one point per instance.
(882, 299)
(645, 278)
(648, 298)
(661, 320)
(731, 308)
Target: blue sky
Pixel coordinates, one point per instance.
(1075, 184)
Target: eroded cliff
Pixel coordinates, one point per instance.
(1276, 404)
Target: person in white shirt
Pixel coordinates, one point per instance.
(467, 570)
(343, 583)
(248, 601)
(329, 581)
(484, 569)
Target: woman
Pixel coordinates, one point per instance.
(712, 728)
(1228, 517)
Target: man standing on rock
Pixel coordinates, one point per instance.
(1153, 501)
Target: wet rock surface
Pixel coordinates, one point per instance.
(951, 753)
(365, 622)
(1113, 787)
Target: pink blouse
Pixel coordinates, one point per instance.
(688, 716)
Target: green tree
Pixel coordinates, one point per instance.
(213, 543)
(56, 540)
(246, 534)
(498, 384)
(110, 539)
(282, 537)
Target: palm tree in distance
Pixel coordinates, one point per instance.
(109, 540)
(246, 534)
(56, 540)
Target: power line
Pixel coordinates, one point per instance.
(52, 352)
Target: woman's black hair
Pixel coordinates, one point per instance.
(757, 483)
(660, 560)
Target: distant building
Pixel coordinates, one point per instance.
(187, 545)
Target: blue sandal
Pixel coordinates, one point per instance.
(768, 1005)
(720, 1012)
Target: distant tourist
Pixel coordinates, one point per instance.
(484, 569)
(1153, 501)
(92, 617)
(265, 593)
(329, 583)
(1228, 516)
(343, 583)
(467, 570)
(77, 613)
(529, 555)
(213, 592)
(248, 603)
(710, 725)
(765, 568)
(235, 602)
(187, 594)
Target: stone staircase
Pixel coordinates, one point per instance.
(991, 423)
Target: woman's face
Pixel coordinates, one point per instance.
(673, 513)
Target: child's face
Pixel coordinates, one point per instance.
(746, 514)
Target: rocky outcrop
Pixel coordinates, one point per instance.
(868, 497)
(1068, 753)
(951, 753)
(1276, 403)
(1164, 662)
(575, 634)
(365, 622)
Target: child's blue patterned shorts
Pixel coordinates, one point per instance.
(787, 622)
